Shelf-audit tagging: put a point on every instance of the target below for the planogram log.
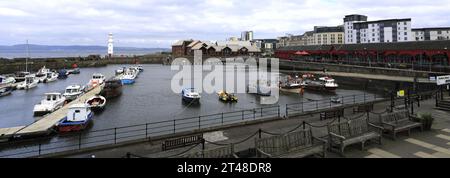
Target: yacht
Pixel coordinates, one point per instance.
(20, 76)
(30, 82)
(73, 92)
(4, 80)
(50, 103)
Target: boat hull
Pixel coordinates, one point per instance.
(64, 126)
(190, 100)
(127, 81)
(40, 113)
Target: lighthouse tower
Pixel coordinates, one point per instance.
(110, 45)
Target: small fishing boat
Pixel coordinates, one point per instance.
(20, 76)
(329, 83)
(112, 88)
(140, 68)
(5, 90)
(41, 75)
(120, 71)
(96, 103)
(97, 79)
(73, 92)
(78, 118)
(74, 71)
(227, 97)
(50, 103)
(4, 80)
(30, 82)
(128, 77)
(190, 95)
(62, 74)
(51, 77)
(291, 82)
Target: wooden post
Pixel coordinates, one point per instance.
(259, 132)
(79, 141)
(39, 153)
(199, 122)
(146, 130)
(115, 135)
(222, 118)
(174, 126)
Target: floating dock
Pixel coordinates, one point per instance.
(45, 125)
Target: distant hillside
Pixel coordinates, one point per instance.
(75, 47)
(49, 51)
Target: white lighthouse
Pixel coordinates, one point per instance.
(110, 45)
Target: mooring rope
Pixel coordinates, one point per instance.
(277, 134)
(178, 154)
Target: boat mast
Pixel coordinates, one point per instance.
(28, 56)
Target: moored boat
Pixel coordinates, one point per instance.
(30, 82)
(41, 75)
(190, 95)
(20, 76)
(97, 79)
(96, 103)
(50, 103)
(5, 90)
(72, 92)
(79, 116)
(323, 84)
(62, 74)
(261, 87)
(128, 77)
(112, 88)
(4, 80)
(74, 71)
(51, 77)
(227, 97)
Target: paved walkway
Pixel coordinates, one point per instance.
(427, 144)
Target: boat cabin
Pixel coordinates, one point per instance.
(78, 113)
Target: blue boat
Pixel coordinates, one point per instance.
(62, 74)
(190, 95)
(128, 77)
(78, 118)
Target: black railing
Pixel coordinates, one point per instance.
(309, 106)
(119, 135)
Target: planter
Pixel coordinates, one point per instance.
(425, 119)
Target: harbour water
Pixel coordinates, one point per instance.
(150, 99)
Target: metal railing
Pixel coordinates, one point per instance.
(90, 139)
(309, 106)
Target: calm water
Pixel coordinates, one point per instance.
(150, 99)
(10, 54)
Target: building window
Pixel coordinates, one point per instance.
(405, 23)
(406, 38)
(406, 28)
(373, 39)
(439, 32)
(406, 33)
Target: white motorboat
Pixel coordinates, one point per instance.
(329, 83)
(30, 82)
(73, 92)
(42, 74)
(20, 76)
(140, 68)
(5, 90)
(51, 77)
(97, 79)
(50, 103)
(190, 95)
(96, 103)
(4, 80)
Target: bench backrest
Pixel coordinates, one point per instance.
(219, 152)
(182, 142)
(350, 128)
(280, 144)
(394, 117)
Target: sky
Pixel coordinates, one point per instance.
(159, 23)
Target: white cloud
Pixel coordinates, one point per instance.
(157, 23)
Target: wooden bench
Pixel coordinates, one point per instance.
(363, 108)
(291, 145)
(331, 114)
(398, 121)
(350, 132)
(219, 152)
(182, 142)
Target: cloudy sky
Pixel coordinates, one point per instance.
(158, 23)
